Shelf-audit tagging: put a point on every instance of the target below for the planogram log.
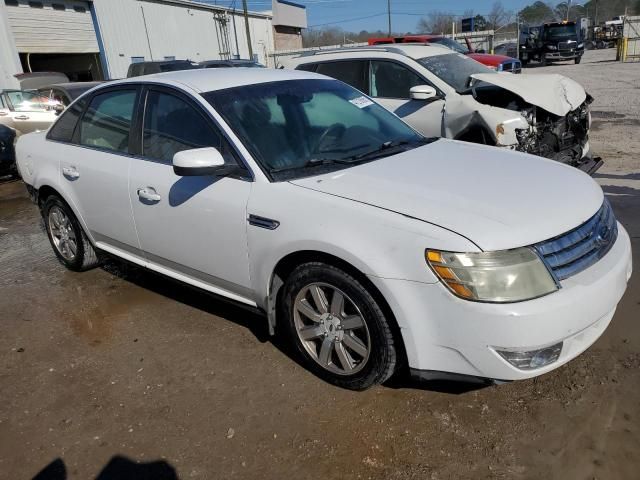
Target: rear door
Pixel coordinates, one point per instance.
(389, 84)
(29, 111)
(191, 227)
(94, 170)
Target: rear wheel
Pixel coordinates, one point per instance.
(337, 328)
(69, 242)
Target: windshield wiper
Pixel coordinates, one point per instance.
(312, 163)
(386, 149)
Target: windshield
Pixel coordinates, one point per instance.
(454, 69)
(451, 44)
(561, 31)
(298, 128)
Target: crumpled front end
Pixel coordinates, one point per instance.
(561, 138)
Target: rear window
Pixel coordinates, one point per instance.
(174, 67)
(62, 130)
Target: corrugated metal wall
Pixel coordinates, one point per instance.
(155, 30)
(46, 30)
(9, 60)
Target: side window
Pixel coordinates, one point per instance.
(60, 97)
(62, 130)
(308, 67)
(172, 125)
(391, 80)
(107, 121)
(2, 104)
(353, 73)
(25, 101)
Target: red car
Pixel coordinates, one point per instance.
(500, 63)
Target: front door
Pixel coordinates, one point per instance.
(191, 227)
(390, 83)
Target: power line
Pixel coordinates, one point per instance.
(348, 20)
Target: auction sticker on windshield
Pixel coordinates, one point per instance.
(361, 102)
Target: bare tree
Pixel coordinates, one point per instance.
(497, 16)
(436, 22)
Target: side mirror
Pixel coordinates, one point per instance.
(201, 161)
(58, 108)
(423, 92)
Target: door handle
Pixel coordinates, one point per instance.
(21, 117)
(70, 172)
(149, 194)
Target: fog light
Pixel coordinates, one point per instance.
(532, 359)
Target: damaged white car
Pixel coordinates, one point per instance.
(444, 94)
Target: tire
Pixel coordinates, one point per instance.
(578, 60)
(63, 228)
(524, 62)
(544, 61)
(335, 327)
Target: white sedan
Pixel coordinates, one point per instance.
(371, 247)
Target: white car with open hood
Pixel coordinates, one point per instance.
(446, 94)
(371, 247)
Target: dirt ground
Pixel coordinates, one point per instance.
(122, 372)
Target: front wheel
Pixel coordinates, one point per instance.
(578, 60)
(69, 242)
(337, 328)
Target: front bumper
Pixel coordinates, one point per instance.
(563, 54)
(444, 333)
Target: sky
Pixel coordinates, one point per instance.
(356, 15)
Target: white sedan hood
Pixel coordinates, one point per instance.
(496, 198)
(555, 93)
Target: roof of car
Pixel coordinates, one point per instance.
(73, 85)
(206, 80)
(411, 50)
(234, 61)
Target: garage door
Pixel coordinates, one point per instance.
(52, 26)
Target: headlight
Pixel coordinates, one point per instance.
(551, 47)
(580, 45)
(501, 277)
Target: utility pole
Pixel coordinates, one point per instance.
(246, 24)
(518, 35)
(389, 15)
(568, 9)
(595, 20)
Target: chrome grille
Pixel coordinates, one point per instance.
(577, 250)
(513, 67)
(566, 45)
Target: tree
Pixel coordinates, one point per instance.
(566, 11)
(436, 22)
(536, 13)
(480, 23)
(497, 16)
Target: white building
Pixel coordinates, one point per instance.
(98, 39)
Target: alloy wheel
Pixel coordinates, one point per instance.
(331, 328)
(62, 233)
